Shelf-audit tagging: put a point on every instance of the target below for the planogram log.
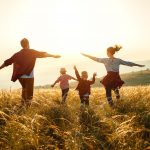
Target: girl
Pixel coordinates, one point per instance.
(112, 80)
(64, 83)
(84, 86)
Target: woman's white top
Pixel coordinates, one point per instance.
(112, 64)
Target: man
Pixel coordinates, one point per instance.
(23, 68)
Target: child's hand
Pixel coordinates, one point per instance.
(75, 67)
(94, 74)
(52, 85)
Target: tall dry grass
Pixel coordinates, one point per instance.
(48, 125)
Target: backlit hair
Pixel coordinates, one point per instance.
(114, 49)
(24, 43)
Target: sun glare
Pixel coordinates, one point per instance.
(63, 27)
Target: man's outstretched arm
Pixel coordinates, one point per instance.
(41, 54)
(2, 66)
(50, 55)
(7, 62)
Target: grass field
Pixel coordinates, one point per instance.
(48, 125)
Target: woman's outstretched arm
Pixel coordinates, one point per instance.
(89, 56)
(131, 64)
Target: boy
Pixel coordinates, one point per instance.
(84, 86)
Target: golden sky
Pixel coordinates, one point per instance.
(71, 26)
(68, 27)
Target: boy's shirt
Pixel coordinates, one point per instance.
(64, 81)
(84, 86)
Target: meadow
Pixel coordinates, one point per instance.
(49, 125)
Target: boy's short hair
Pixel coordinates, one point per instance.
(84, 73)
(24, 43)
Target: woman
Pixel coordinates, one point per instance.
(112, 80)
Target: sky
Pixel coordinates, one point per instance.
(68, 27)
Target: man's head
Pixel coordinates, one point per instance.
(24, 43)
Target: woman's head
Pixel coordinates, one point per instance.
(24, 43)
(84, 75)
(63, 71)
(112, 50)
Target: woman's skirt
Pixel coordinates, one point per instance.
(112, 80)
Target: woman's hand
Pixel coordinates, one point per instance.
(84, 54)
(141, 65)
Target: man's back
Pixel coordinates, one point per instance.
(24, 62)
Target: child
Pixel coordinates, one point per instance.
(64, 84)
(84, 86)
(112, 80)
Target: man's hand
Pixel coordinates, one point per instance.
(57, 56)
(51, 55)
(2, 66)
